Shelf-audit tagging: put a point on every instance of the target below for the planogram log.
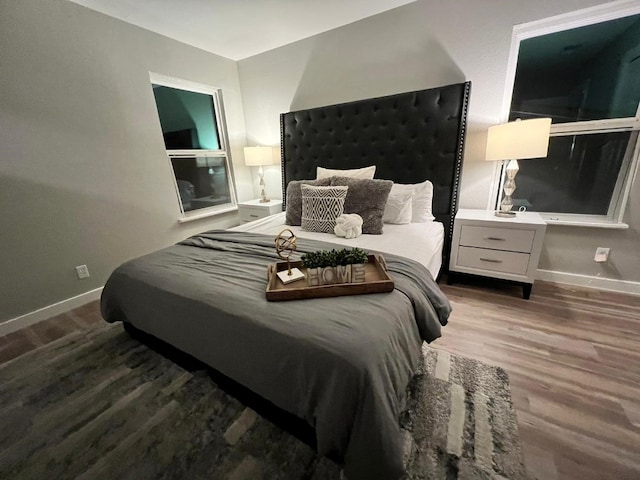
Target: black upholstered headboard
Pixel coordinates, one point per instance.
(410, 137)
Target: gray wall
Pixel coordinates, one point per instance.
(84, 178)
(83, 174)
(422, 45)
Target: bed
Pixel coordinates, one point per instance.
(425, 241)
(341, 364)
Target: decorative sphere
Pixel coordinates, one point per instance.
(285, 244)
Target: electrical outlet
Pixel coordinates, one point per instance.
(82, 271)
(602, 255)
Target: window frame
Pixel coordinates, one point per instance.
(222, 152)
(626, 178)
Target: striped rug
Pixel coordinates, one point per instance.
(99, 404)
(459, 421)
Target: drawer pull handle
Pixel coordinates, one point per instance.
(492, 260)
(495, 238)
(254, 216)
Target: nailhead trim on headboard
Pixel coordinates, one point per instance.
(458, 172)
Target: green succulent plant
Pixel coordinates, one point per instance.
(333, 258)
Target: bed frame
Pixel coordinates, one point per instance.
(410, 137)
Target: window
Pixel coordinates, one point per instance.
(194, 135)
(587, 79)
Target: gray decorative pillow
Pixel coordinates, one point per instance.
(294, 199)
(367, 198)
(321, 206)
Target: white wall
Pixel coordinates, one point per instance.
(422, 45)
(84, 178)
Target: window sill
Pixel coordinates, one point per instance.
(592, 221)
(208, 214)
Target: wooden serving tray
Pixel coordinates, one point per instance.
(377, 280)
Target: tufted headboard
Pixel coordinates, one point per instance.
(410, 137)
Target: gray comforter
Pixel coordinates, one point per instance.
(341, 363)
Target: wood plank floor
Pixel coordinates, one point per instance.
(573, 356)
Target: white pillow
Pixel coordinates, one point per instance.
(421, 202)
(366, 172)
(398, 208)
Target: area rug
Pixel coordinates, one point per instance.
(100, 404)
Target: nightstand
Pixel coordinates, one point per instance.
(497, 247)
(254, 209)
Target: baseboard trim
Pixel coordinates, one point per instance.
(27, 319)
(611, 284)
(621, 286)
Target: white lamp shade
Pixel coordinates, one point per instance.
(518, 140)
(256, 156)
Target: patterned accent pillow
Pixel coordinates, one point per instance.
(294, 199)
(321, 206)
(367, 198)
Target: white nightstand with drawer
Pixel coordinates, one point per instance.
(497, 247)
(254, 209)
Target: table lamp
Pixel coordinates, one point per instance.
(512, 141)
(259, 156)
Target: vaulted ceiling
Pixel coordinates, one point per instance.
(237, 29)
